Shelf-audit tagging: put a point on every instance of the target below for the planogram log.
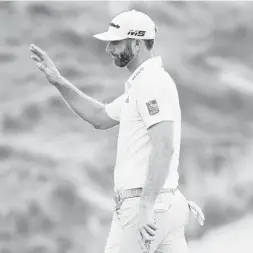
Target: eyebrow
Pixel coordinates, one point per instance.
(115, 41)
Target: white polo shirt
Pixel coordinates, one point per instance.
(150, 97)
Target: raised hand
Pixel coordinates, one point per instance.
(45, 64)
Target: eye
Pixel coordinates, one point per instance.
(115, 42)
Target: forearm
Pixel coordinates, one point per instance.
(84, 106)
(158, 171)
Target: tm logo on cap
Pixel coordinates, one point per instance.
(136, 33)
(114, 25)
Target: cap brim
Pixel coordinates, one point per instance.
(107, 36)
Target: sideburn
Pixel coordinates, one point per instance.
(127, 55)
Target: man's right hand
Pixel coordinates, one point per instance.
(45, 64)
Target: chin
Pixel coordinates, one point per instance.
(116, 63)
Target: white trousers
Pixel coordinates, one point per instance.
(171, 212)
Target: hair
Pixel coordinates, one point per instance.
(149, 44)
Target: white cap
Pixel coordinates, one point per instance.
(129, 24)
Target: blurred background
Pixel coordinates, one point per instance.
(56, 171)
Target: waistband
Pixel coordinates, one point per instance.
(120, 196)
(135, 192)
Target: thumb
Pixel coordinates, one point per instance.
(41, 66)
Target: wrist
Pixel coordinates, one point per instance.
(146, 204)
(59, 81)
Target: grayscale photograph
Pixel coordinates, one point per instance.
(126, 126)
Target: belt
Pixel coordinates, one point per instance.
(120, 196)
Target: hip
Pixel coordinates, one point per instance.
(168, 204)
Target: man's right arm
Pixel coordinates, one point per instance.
(87, 108)
(84, 106)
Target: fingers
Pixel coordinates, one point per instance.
(143, 245)
(38, 52)
(152, 226)
(146, 236)
(36, 58)
(150, 230)
(41, 66)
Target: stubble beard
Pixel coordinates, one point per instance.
(124, 58)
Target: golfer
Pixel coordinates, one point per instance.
(150, 212)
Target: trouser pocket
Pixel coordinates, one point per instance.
(128, 211)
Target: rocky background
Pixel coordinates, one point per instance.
(56, 170)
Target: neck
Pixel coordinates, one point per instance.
(137, 61)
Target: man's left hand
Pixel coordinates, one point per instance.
(147, 227)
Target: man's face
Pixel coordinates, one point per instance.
(121, 51)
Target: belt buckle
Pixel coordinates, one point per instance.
(174, 191)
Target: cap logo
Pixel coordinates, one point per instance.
(136, 33)
(114, 25)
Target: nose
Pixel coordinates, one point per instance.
(109, 47)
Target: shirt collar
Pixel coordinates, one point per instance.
(148, 65)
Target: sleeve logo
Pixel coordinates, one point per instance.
(152, 107)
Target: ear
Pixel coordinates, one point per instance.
(138, 44)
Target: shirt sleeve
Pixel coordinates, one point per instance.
(156, 102)
(113, 109)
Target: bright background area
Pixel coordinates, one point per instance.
(56, 170)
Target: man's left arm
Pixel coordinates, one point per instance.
(161, 136)
(156, 106)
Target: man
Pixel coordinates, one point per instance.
(150, 213)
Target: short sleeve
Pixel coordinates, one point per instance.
(113, 109)
(156, 102)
